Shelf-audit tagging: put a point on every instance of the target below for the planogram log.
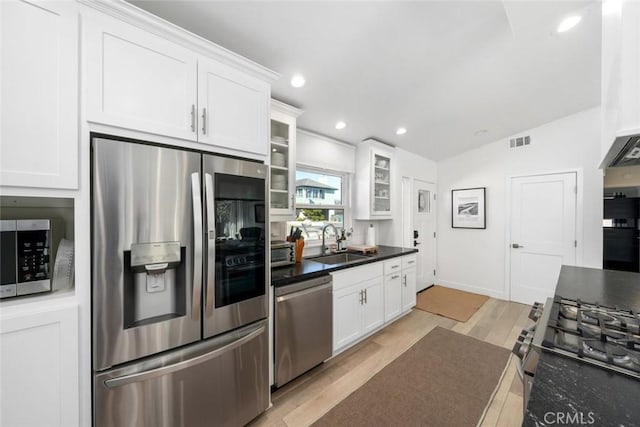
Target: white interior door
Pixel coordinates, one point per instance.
(419, 226)
(543, 233)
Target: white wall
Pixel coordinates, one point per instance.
(474, 260)
(389, 232)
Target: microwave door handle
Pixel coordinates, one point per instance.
(197, 246)
(211, 242)
(185, 364)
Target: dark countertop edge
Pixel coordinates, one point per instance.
(318, 269)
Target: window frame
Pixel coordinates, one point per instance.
(345, 197)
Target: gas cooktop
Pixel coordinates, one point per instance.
(605, 336)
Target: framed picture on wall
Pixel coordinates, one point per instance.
(468, 209)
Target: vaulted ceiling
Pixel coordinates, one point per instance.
(455, 74)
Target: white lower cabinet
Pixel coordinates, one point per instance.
(372, 305)
(358, 303)
(367, 297)
(408, 289)
(392, 288)
(409, 276)
(39, 366)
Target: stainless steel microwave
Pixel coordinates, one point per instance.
(282, 253)
(25, 255)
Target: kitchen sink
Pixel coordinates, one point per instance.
(339, 258)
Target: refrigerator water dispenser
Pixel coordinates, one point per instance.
(156, 280)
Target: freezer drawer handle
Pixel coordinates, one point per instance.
(197, 246)
(185, 364)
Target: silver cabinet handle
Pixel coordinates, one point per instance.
(365, 296)
(516, 246)
(193, 117)
(211, 241)
(165, 370)
(204, 121)
(411, 262)
(395, 276)
(395, 266)
(197, 246)
(404, 280)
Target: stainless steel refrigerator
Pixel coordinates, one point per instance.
(179, 286)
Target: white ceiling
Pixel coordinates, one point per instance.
(444, 70)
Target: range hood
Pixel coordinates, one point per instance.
(625, 151)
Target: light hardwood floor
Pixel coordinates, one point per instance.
(307, 398)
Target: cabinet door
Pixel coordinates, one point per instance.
(347, 324)
(39, 368)
(373, 307)
(408, 289)
(283, 164)
(138, 80)
(392, 296)
(381, 167)
(233, 109)
(39, 94)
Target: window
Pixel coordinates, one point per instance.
(319, 201)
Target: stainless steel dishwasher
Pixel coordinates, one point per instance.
(303, 327)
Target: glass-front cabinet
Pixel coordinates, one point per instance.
(283, 160)
(374, 180)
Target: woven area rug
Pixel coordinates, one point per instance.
(445, 379)
(451, 303)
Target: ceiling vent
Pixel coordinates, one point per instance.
(520, 141)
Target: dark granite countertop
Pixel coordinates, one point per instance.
(308, 269)
(569, 392)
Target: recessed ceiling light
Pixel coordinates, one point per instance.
(341, 125)
(401, 131)
(298, 80)
(480, 132)
(569, 23)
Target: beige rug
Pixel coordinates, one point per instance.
(445, 379)
(451, 303)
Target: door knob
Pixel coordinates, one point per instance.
(516, 246)
(415, 243)
(415, 234)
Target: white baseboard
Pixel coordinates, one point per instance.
(474, 289)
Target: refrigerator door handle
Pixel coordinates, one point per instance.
(179, 366)
(211, 242)
(197, 246)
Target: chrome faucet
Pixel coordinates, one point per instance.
(324, 248)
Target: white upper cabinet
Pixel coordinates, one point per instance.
(140, 80)
(39, 94)
(374, 180)
(630, 58)
(620, 71)
(283, 160)
(137, 80)
(233, 108)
